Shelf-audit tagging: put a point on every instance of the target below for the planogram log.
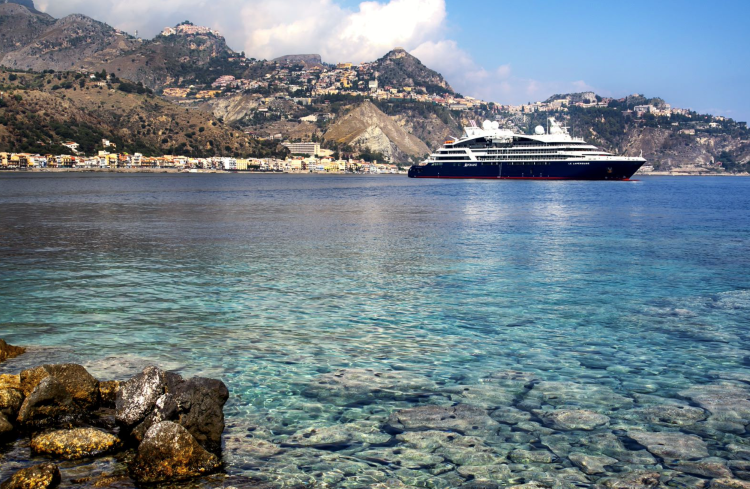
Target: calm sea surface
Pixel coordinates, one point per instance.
(639, 290)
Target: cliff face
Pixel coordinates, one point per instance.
(365, 126)
(20, 26)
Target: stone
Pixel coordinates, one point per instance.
(591, 464)
(75, 444)
(165, 409)
(137, 397)
(729, 483)
(403, 457)
(462, 418)
(9, 381)
(520, 456)
(169, 452)
(668, 415)
(9, 351)
(6, 428)
(42, 476)
(671, 446)
(713, 468)
(608, 444)
(49, 404)
(10, 402)
(82, 387)
(586, 396)
(486, 396)
(725, 401)
(261, 448)
(108, 392)
(200, 404)
(338, 435)
(510, 415)
(632, 480)
(491, 473)
(740, 451)
(572, 419)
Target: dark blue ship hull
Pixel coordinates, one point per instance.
(548, 170)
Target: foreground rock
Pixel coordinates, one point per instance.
(42, 476)
(169, 452)
(462, 418)
(49, 404)
(77, 382)
(154, 396)
(671, 446)
(75, 444)
(9, 351)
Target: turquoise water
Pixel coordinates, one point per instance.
(639, 289)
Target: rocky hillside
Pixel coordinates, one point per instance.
(38, 112)
(401, 69)
(309, 60)
(20, 26)
(365, 126)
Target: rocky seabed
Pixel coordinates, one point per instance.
(61, 426)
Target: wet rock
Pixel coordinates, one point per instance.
(670, 446)
(137, 397)
(169, 452)
(261, 448)
(608, 444)
(337, 435)
(455, 448)
(79, 384)
(49, 404)
(108, 392)
(591, 464)
(714, 468)
(480, 485)
(9, 351)
(740, 451)
(6, 428)
(486, 396)
(668, 415)
(42, 476)
(570, 420)
(75, 444)
(361, 385)
(729, 483)
(684, 481)
(725, 401)
(10, 402)
(532, 457)
(632, 480)
(484, 473)
(9, 381)
(200, 404)
(739, 466)
(510, 415)
(515, 376)
(534, 427)
(462, 418)
(587, 396)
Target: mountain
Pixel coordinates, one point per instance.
(29, 4)
(401, 69)
(365, 126)
(20, 26)
(38, 112)
(308, 60)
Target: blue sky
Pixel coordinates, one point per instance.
(691, 53)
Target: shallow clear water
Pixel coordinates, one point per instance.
(272, 282)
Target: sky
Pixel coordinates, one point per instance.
(692, 53)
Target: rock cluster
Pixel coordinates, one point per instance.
(174, 425)
(9, 351)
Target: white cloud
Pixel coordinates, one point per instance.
(271, 28)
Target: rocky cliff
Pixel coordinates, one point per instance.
(401, 69)
(365, 126)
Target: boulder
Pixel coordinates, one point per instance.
(9, 351)
(75, 444)
(82, 387)
(462, 418)
(6, 428)
(671, 446)
(108, 392)
(632, 480)
(10, 402)
(572, 419)
(137, 397)
(49, 404)
(200, 404)
(42, 476)
(9, 381)
(169, 452)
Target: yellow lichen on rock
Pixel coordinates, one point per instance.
(74, 444)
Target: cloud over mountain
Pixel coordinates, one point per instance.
(270, 28)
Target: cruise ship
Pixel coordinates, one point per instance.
(550, 153)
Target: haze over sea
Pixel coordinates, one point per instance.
(636, 292)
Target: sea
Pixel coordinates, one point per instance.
(334, 307)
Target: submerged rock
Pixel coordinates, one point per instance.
(669, 415)
(169, 452)
(532, 457)
(6, 428)
(714, 468)
(77, 382)
(632, 480)
(403, 457)
(461, 418)
(487, 396)
(9, 351)
(42, 476)
(10, 402)
(727, 402)
(591, 464)
(569, 420)
(586, 396)
(671, 446)
(338, 435)
(729, 484)
(75, 444)
(360, 385)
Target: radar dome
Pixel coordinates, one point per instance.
(486, 125)
(495, 125)
(539, 130)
